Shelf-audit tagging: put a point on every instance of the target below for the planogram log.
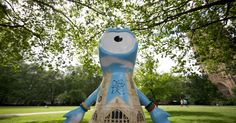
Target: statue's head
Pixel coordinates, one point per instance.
(117, 50)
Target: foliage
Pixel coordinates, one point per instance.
(78, 85)
(218, 53)
(52, 26)
(32, 85)
(156, 86)
(234, 91)
(202, 91)
(169, 87)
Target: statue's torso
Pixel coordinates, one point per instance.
(117, 100)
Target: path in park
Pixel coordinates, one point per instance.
(28, 114)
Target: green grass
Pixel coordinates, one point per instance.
(202, 114)
(191, 114)
(30, 109)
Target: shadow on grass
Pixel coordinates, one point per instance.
(214, 117)
(51, 121)
(205, 121)
(56, 121)
(187, 113)
(149, 120)
(7, 117)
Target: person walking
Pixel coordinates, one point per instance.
(181, 102)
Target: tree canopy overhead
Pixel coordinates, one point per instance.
(59, 26)
(56, 32)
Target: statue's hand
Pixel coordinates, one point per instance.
(159, 116)
(74, 116)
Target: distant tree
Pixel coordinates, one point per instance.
(78, 85)
(156, 86)
(7, 83)
(30, 84)
(234, 91)
(202, 91)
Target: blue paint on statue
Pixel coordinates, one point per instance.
(118, 84)
(118, 87)
(130, 56)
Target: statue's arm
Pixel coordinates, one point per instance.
(157, 115)
(76, 115)
(92, 98)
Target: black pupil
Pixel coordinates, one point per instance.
(118, 39)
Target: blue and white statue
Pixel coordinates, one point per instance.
(117, 98)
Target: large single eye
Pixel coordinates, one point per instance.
(118, 39)
(117, 42)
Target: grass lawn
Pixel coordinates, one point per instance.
(30, 109)
(191, 114)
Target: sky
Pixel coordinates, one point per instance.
(165, 65)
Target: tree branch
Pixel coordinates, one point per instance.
(21, 26)
(10, 26)
(227, 11)
(18, 25)
(216, 21)
(180, 5)
(58, 11)
(173, 17)
(93, 9)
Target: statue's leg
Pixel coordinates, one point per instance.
(157, 115)
(76, 115)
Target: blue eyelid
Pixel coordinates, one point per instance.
(120, 30)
